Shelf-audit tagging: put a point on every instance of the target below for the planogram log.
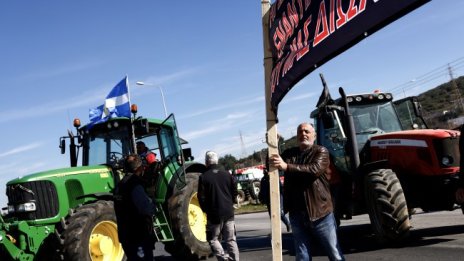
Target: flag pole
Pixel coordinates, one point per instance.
(271, 137)
(134, 146)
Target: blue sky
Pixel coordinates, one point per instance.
(60, 58)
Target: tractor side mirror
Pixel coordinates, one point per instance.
(62, 146)
(187, 152)
(417, 108)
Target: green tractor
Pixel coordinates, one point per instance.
(68, 214)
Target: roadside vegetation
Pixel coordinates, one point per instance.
(250, 208)
(443, 105)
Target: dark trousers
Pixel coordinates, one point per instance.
(142, 251)
(282, 214)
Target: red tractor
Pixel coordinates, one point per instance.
(385, 162)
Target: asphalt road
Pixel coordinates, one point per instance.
(434, 236)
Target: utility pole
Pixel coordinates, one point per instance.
(271, 138)
(242, 144)
(456, 88)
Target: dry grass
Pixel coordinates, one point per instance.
(250, 208)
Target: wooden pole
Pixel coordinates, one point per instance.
(271, 137)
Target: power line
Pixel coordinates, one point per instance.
(438, 72)
(456, 88)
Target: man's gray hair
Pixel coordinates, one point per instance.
(211, 157)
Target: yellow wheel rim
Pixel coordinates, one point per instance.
(197, 219)
(104, 243)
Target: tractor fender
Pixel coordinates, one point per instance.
(188, 167)
(371, 166)
(98, 196)
(194, 167)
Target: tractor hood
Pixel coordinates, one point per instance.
(104, 172)
(418, 134)
(423, 152)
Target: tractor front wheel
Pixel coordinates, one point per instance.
(90, 233)
(386, 205)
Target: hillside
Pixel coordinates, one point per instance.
(443, 104)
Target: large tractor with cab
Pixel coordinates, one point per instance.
(385, 161)
(68, 213)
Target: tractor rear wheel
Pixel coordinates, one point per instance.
(386, 205)
(90, 233)
(188, 222)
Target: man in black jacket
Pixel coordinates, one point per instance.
(307, 195)
(217, 191)
(134, 212)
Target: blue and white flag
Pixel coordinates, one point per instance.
(117, 104)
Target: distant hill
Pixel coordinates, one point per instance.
(443, 104)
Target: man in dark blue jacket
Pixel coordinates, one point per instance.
(217, 191)
(134, 212)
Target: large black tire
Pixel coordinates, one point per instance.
(255, 186)
(386, 205)
(90, 233)
(241, 196)
(188, 222)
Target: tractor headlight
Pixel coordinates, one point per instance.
(447, 161)
(24, 207)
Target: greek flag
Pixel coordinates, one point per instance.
(117, 104)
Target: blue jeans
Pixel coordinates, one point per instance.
(324, 229)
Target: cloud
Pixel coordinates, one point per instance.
(200, 133)
(299, 97)
(94, 98)
(20, 149)
(236, 104)
(31, 168)
(225, 123)
(233, 146)
(63, 69)
(169, 78)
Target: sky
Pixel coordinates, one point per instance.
(61, 58)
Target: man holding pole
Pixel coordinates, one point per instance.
(307, 195)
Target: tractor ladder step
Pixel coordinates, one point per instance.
(161, 226)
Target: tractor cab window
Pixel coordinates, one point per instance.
(373, 119)
(170, 142)
(151, 142)
(408, 115)
(332, 136)
(108, 147)
(168, 147)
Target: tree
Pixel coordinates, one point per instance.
(228, 161)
